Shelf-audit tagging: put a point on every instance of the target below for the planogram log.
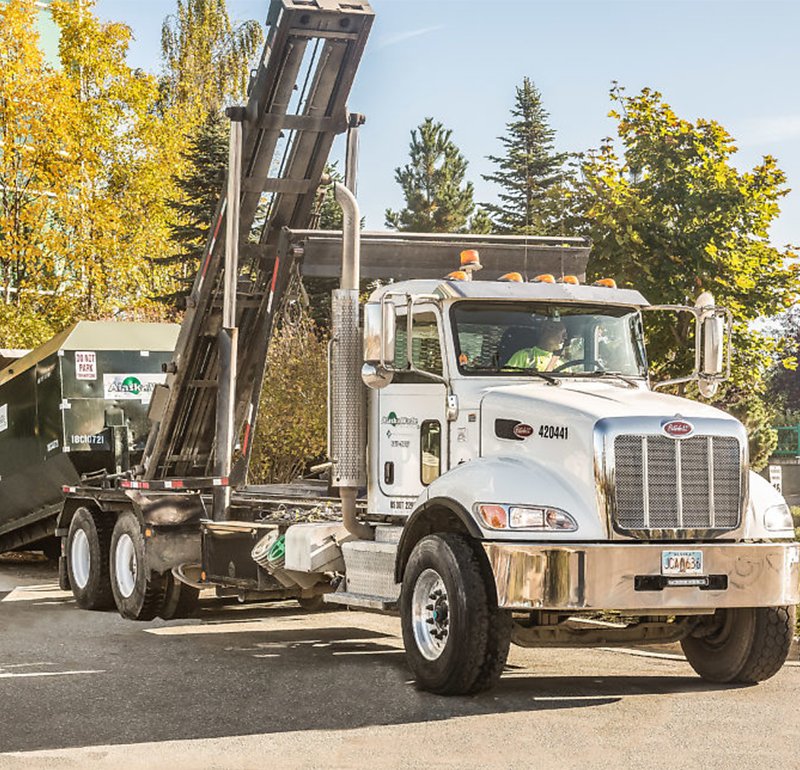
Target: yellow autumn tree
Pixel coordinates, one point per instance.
(113, 213)
(206, 58)
(33, 167)
(85, 173)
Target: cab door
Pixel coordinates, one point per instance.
(411, 421)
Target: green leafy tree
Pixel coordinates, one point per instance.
(292, 423)
(672, 216)
(530, 173)
(438, 200)
(206, 58)
(784, 385)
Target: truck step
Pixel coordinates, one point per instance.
(360, 600)
(388, 534)
(370, 568)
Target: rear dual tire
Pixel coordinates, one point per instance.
(87, 560)
(180, 600)
(139, 592)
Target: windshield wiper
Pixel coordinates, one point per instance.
(529, 370)
(605, 373)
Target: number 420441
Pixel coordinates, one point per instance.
(554, 431)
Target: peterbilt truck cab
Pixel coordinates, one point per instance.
(552, 496)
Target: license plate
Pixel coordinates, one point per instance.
(681, 562)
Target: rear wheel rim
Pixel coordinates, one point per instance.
(125, 565)
(430, 614)
(80, 558)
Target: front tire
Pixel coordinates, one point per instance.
(87, 560)
(742, 645)
(139, 593)
(456, 638)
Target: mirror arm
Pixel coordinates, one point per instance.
(676, 381)
(699, 314)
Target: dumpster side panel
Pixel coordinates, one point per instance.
(23, 486)
(123, 378)
(52, 423)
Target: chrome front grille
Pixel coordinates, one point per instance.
(677, 484)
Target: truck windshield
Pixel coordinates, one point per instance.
(562, 339)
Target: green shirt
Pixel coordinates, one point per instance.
(530, 358)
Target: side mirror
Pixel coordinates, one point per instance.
(712, 344)
(375, 377)
(711, 328)
(380, 324)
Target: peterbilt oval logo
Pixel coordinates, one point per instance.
(678, 428)
(523, 430)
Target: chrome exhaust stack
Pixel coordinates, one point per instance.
(346, 398)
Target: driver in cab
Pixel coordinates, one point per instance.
(544, 354)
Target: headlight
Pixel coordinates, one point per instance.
(778, 517)
(532, 518)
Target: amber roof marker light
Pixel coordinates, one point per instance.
(609, 283)
(470, 262)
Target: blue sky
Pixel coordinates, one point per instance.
(460, 60)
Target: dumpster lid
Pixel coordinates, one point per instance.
(100, 335)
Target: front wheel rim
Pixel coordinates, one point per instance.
(125, 565)
(80, 558)
(430, 614)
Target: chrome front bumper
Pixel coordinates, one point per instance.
(627, 576)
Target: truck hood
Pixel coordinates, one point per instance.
(592, 399)
(556, 432)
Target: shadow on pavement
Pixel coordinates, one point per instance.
(201, 679)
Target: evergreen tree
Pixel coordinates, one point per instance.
(530, 172)
(328, 213)
(480, 222)
(327, 216)
(206, 61)
(437, 198)
(199, 185)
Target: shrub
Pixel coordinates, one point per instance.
(291, 432)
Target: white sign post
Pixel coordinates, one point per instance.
(776, 477)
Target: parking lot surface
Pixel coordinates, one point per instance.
(258, 685)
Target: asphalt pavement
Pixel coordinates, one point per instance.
(269, 685)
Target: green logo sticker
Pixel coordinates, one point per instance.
(394, 420)
(131, 385)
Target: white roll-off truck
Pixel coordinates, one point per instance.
(508, 474)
